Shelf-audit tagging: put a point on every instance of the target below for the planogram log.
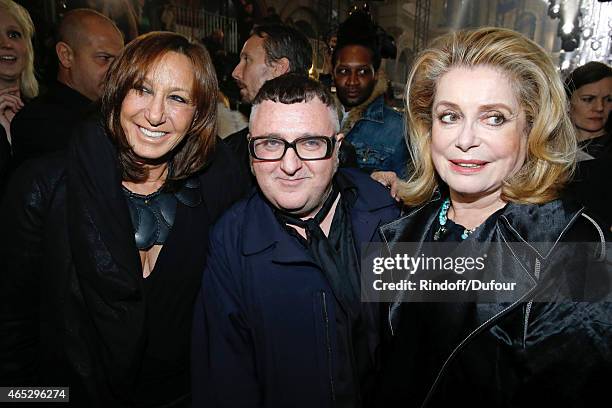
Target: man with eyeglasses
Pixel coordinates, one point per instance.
(279, 321)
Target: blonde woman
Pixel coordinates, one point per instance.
(17, 81)
(493, 147)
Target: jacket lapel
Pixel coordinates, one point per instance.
(265, 233)
(521, 236)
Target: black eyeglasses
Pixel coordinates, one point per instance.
(270, 148)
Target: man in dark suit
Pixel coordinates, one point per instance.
(279, 320)
(88, 44)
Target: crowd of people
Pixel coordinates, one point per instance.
(146, 262)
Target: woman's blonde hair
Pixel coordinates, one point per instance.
(27, 83)
(551, 143)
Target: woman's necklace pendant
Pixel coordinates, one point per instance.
(439, 233)
(442, 218)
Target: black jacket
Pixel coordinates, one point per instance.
(45, 124)
(73, 304)
(5, 160)
(551, 346)
(588, 186)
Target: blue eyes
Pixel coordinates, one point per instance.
(491, 119)
(449, 118)
(495, 120)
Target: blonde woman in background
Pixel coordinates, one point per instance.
(17, 80)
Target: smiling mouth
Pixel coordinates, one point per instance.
(468, 165)
(8, 58)
(151, 133)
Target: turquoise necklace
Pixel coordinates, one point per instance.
(442, 218)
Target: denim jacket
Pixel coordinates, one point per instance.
(378, 137)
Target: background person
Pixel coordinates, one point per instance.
(270, 51)
(88, 42)
(104, 245)
(488, 124)
(17, 80)
(374, 129)
(589, 88)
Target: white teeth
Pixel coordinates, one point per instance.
(151, 133)
(8, 58)
(469, 165)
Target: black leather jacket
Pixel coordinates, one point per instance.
(73, 304)
(517, 354)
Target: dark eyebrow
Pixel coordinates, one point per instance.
(348, 65)
(147, 82)
(278, 135)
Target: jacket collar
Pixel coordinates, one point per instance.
(531, 229)
(522, 222)
(264, 230)
(375, 112)
(69, 97)
(539, 222)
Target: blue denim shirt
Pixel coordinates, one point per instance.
(379, 140)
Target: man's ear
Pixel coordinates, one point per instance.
(64, 54)
(280, 67)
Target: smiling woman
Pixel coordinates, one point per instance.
(116, 231)
(493, 147)
(17, 80)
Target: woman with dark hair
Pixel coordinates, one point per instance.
(103, 246)
(589, 89)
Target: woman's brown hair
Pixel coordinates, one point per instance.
(129, 70)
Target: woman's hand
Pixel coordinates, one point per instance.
(10, 104)
(388, 179)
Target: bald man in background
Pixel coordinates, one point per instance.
(88, 42)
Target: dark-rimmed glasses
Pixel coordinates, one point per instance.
(272, 148)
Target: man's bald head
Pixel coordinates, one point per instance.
(87, 43)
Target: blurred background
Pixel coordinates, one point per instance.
(572, 31)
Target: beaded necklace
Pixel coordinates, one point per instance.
(442, 218)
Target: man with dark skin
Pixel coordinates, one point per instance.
(376, 130)
(354, 75)
(88, 44)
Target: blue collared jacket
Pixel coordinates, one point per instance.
(264, 332)
(379, 138)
